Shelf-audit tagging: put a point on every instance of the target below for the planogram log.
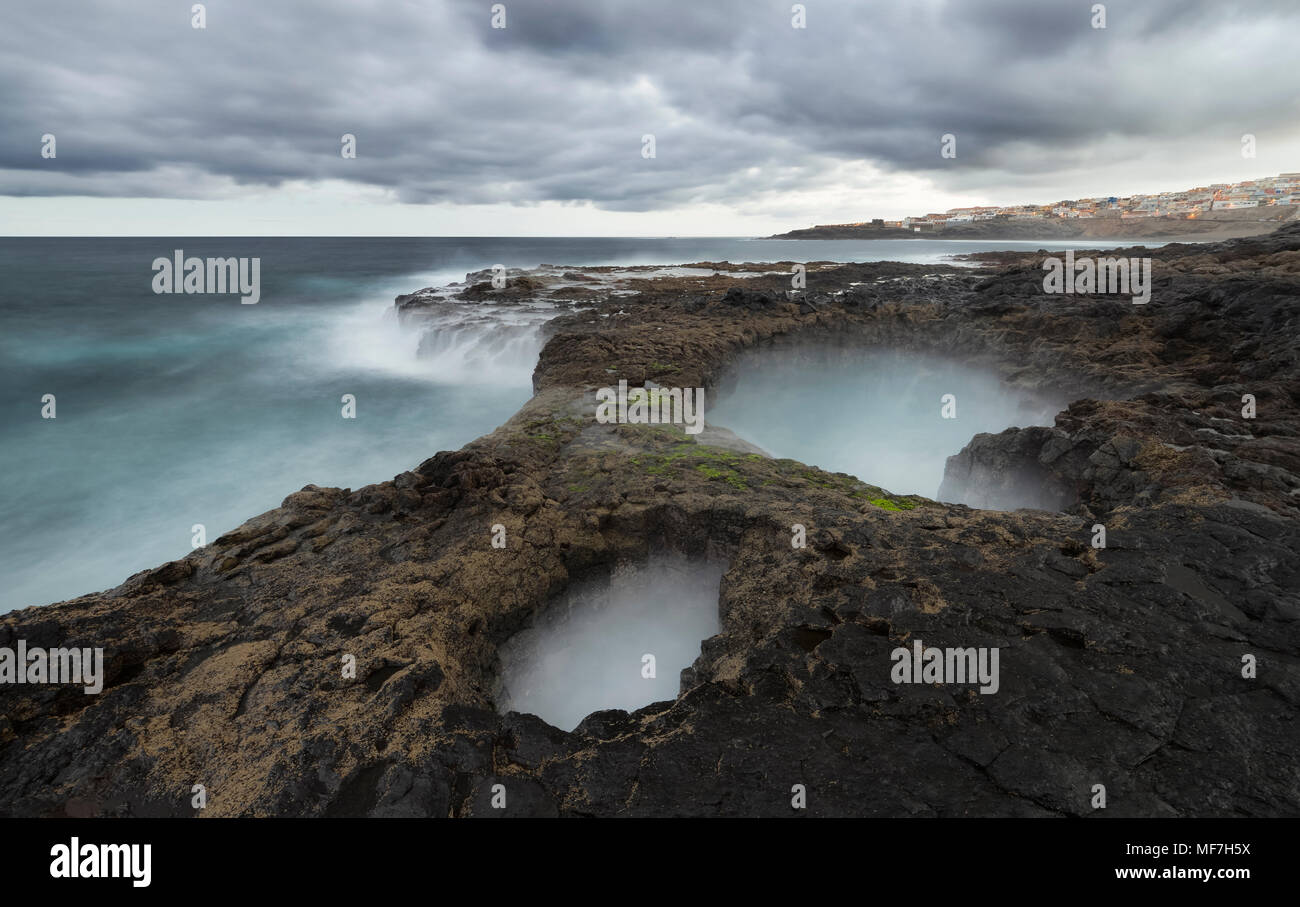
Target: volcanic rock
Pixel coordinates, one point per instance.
(1122, 666)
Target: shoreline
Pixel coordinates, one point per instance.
(223, 665)
(1109, 230)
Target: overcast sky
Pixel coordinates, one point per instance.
(537, 128)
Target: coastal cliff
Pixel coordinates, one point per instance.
(1121, 666)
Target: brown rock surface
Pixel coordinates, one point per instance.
(1119, 666)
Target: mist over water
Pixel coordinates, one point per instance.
(584, 651)
(183, 410)
(875, 414)
(176, 410)
(469, 341)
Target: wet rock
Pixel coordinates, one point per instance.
(337, 655)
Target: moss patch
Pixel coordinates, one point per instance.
(711, 462)
(892, 504)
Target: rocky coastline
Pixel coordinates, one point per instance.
(1217, 225)
(1121, 666)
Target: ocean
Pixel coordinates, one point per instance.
(177, 411)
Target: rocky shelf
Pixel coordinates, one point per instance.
(1121, 666)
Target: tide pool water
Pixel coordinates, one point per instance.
(180, 410)
(889, 417)
(612, 643)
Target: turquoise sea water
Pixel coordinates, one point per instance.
(177, 410)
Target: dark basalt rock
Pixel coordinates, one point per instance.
(1119, 666)
(521, 287)
(751, 300)
(1011, 470)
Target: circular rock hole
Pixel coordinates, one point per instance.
(618, 641)
(889, 417)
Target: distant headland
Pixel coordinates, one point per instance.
(1217, 211)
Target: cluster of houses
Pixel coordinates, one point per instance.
(1283, 189)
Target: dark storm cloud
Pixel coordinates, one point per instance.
(553, 107)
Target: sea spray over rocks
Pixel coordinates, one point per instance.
(1202, 528)
(612, 642)
(876, 413)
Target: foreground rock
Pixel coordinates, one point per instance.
(1120, 666)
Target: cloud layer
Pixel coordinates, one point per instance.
(745, 109)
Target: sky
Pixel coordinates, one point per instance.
(539, 128)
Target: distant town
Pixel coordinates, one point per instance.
(1189, 204)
